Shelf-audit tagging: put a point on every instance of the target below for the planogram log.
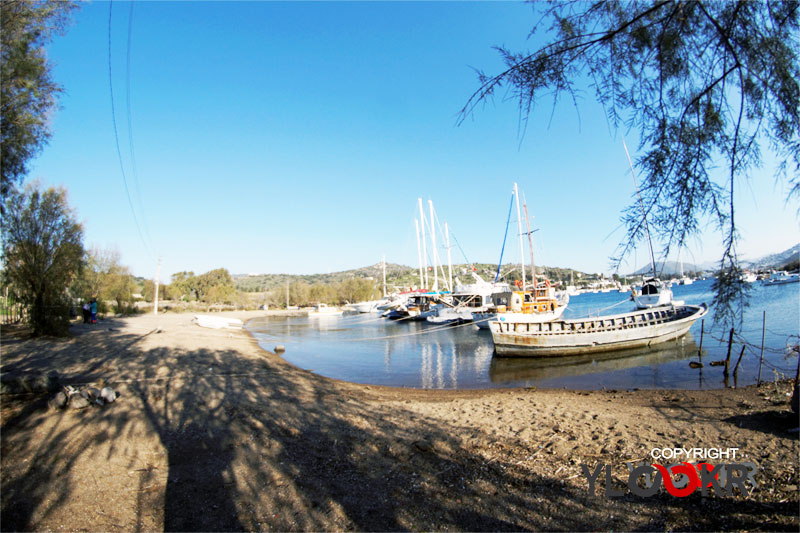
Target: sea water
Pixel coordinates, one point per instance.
(365, 348)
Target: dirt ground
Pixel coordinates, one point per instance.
(213, 433)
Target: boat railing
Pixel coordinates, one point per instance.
(611, 323)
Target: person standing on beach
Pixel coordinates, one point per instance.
(94, 310)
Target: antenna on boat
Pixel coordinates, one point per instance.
(641, 204)
(519, 227)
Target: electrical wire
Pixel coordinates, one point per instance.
(116, 139)
(130, 125)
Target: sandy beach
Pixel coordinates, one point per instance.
(213, 433)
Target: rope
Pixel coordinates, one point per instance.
(401, 335)
(593, 313)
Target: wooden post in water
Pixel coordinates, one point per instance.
(700, 350)
(728, 357)
(761, 359)
(736, 368)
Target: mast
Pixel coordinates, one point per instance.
(419, 255)
(644, 214)
(434, 251)
(530, 243)
(449, 261)
(519, 227)
(424, 248)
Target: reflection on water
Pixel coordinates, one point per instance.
(368, 349)
(517, 369)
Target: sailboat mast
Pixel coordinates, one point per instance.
(449, 259)
(519, 228)
(530, 242)
(434, 251)
(644, 214)
(419, 255)
(424, 248)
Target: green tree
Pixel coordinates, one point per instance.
(119, 286)
(299, 293)
(27, 90)
(355, 290)
(706, 83)
(42, 253)
(184, 286)
(219, 280)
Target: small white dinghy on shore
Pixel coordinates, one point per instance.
(218, 322)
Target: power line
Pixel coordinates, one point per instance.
(130, 125)
(116, 139)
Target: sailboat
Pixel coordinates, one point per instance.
(534, 304)
(423, 303)
(469, 299)
(684, 279)
(654, 292)
(372, 306)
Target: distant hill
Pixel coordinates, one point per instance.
(265, 282)
(397, 276)
(670, 268)
(777, 261)
(774, 261)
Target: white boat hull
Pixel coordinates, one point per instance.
(217, 322)
(449, 314)
(591, 335)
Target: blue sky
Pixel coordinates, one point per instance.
(296, 137)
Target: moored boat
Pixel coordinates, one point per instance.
(322, 310)
(598, 334)
(217, 322)
(654, 293)
(782, 277)
(418, 307)
(467, 300)
(535, 305)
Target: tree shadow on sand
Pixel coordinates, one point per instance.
(248, 443)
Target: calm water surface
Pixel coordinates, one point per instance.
(368, 349)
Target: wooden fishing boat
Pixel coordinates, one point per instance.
(591, 335)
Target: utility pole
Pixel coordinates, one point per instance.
(158, 279)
